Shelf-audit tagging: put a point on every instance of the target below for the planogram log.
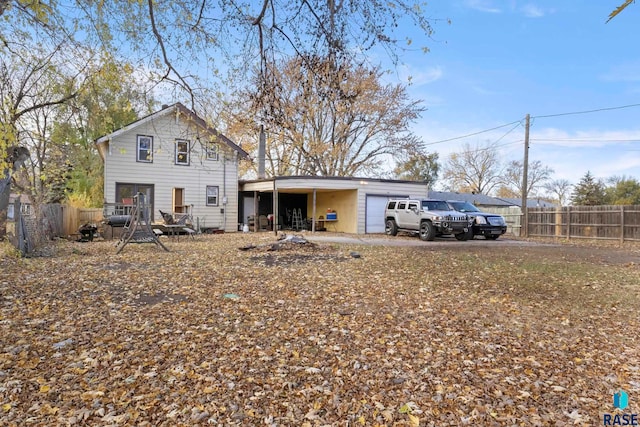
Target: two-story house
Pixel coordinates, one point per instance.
(179, 162)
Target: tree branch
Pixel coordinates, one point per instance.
(165, 57)
(202, 6)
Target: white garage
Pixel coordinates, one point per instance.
(356, 203)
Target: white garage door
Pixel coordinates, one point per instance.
(374, 213)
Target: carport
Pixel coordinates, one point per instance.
(357, 204)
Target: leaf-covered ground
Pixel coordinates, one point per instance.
(207, 334)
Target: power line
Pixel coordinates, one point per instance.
(584, 140)
(586, 111)
(508, 132)
(492, 147)
(473, 134)
(494, 144)
(535, 117)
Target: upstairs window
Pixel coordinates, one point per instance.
(182, 152)
(144, 152)
(213, 151)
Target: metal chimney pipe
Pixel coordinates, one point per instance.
(262, 148)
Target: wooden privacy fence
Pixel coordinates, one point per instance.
(512, 216)
(27, 230)
(610, 222)
(73, 218)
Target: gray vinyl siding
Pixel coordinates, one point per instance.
(164, 174)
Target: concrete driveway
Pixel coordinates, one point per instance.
(406, 240)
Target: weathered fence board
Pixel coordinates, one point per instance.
(512, 216)
(74, 217)
(608, 222)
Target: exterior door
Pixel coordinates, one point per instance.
(248, 209)
(403, 220)
(374, 218)
(178, 201)
(413, 212)
(128, 190)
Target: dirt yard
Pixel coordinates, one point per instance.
(372, 332)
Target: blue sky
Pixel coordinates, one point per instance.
(499, 60)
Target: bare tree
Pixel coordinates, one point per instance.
(506, 192)
(199, 50)
(333, 122)
(43, 69)
(560, 189)
(537, 176)
(475, 169)
(38, 47)
(191, 43)
(32, 80)
(418, 166)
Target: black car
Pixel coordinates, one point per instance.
(489, 225)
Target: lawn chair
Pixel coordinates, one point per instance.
(179, 222)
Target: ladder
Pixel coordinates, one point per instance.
(296, 220)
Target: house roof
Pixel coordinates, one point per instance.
(531, 203)
(484, 200)
(175, 108)
(476, 199)
(24, 198)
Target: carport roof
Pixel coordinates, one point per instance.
(326, 178)
(318, 182)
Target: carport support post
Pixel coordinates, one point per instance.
(313, 216)
(256, 225)
(274, 220)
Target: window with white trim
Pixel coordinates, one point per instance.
(144, 151)
(213, 151)
(182, 152)
(212, 195)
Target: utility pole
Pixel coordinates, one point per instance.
(524, 232)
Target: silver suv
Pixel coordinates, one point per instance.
(427, 217)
